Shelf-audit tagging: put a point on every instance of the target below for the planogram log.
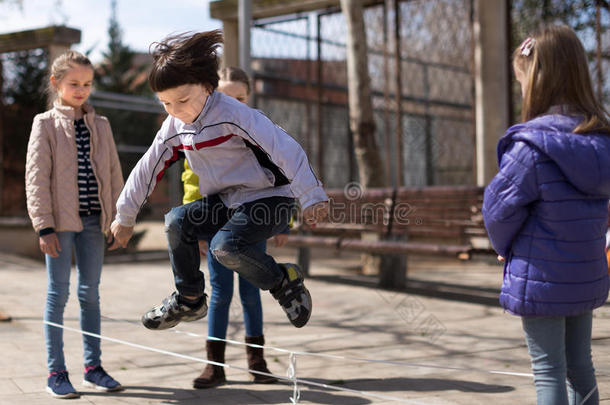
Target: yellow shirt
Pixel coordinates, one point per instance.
(191, 188)
(191, 185)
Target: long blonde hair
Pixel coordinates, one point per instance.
(555, 65)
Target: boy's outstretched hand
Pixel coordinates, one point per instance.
(119, 235)
(315, 213)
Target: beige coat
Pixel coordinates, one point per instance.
(51, 169)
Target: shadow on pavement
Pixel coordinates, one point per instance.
(433, 289)
(228, 395)
(402, 384)
(396, 387)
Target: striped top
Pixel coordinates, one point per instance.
(89, 203)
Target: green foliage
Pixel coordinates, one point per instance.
(25, 79)
(23, 96)
(119, 74)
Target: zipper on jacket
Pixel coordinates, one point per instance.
(72, 131)
(93, 168)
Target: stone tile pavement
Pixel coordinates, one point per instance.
(441, 349)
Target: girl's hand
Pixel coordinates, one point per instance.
(120, 235)
(280, 239)
(203, 249)
(500, 258)
(49, 244)
(315, 213)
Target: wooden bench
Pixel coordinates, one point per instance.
(442, 220)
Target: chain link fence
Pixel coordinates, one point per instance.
(299, 65)
(300, 82)
(590, 19)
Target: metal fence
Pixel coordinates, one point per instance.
(299, 65)
(300, 82)
(590, 19)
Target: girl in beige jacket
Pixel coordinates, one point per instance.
(73, 178)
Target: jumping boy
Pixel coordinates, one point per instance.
(250, 171)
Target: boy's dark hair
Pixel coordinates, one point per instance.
(185, 58)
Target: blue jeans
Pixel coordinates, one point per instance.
(221, 280)
(88, 247)
(234, 235)
(560, 349)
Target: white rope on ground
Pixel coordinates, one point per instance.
(337, 357)
(357, 359)
(292, 374)
(200, 360)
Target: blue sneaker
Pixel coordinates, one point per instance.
(99, 379)
(59, 386)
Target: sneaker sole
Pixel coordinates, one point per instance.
(299, 323)
(165, 324)
(64, 396)
(294, 273)
(89, 384)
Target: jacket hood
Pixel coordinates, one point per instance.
(583, 158)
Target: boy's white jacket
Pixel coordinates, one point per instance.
(237, 152)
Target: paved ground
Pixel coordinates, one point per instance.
(441, 349)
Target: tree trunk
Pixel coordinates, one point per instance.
(362, 124)
(1, 139)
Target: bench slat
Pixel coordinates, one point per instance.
(379, 247)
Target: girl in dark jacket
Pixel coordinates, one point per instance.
(546, 213)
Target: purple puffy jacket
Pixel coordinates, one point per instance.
(546, 212)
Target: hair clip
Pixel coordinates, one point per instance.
(527, 45)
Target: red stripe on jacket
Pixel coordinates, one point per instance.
(169, 161)
(213, 142)
(200, 145)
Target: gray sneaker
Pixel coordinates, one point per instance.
(171, 312)
(293, 296)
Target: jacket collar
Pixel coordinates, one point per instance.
(67, 112)
(199, 123)
(562, 109)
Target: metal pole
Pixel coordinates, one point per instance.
(386, 98)
(244, 15)
(307, 139)
(428, 132)
(398, 94)
(1, 137)
(473, 135)
(598, 37)
(319, 101)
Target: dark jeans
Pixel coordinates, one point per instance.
(234, 234)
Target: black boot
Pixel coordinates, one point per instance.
(257, 362)
(212, 376)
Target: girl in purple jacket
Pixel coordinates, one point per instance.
(546, 213)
